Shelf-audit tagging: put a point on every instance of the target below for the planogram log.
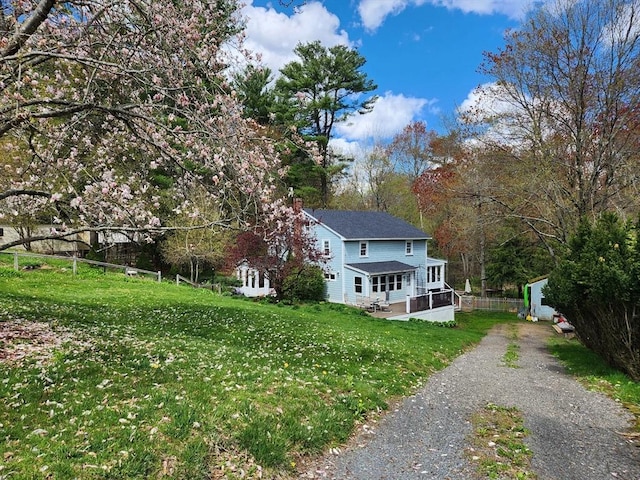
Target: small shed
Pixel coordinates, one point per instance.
(535, 301)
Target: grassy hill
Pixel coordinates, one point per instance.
(104, 376)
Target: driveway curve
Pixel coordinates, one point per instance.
(574, 433)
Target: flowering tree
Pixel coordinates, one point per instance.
(98, 99)
(283, 250)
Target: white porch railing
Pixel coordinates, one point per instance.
(432, 299)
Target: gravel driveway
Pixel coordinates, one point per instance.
(573, 432)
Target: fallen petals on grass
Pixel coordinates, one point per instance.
(22, 340)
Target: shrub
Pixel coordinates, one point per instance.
(304, 284)
(93, 254)
(597, 286)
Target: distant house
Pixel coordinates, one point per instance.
(535, 301)
(116, 247)
(375, 260)
(77, 244)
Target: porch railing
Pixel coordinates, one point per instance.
(431, 300)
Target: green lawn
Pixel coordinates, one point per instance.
(156, 380)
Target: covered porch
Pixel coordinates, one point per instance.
(399, 291)
(380, 282)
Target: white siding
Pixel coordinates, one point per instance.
(542, 312)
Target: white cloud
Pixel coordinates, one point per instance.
(374, 12)
(390, 114)
(486, 101)
(354, 150)
(504, 120)
(274, 35)
(511, 8)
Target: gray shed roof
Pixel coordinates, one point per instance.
(379, 268)
(366, 225)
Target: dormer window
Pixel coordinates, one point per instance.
(364, 249)
(409, 247)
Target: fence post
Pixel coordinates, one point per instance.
(75, 265)
(159, 276)
(15, 262)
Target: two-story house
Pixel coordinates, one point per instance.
(382, 259)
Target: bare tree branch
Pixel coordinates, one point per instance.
(32, 193)
(28, 27)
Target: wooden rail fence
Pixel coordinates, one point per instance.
(215, 287)
(127, 270)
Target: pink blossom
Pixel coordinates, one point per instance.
(139, 84)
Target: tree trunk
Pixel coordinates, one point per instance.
(483, 273)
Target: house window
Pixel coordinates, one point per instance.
(357, 284)
(382, 283)
(330, 276)
(364, 249)
(1, 232)
(326, 248)
(409, 247)
(434, 273)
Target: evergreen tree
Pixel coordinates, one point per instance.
(316, 92)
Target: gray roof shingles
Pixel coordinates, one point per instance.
(379, 268)
(366, 225)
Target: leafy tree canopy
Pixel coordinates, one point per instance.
(323, 87)
(598, 287)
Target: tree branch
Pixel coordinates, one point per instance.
(64, 236)
(28, 28)
(31, 193)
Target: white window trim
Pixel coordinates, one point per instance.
(366, 249)
(406, 244)
(361, 285)
(326, 247)
(330, 277)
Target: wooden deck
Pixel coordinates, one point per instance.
(393, 310)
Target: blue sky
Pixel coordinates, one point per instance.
(423, 54)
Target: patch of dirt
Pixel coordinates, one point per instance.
(23, 339)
